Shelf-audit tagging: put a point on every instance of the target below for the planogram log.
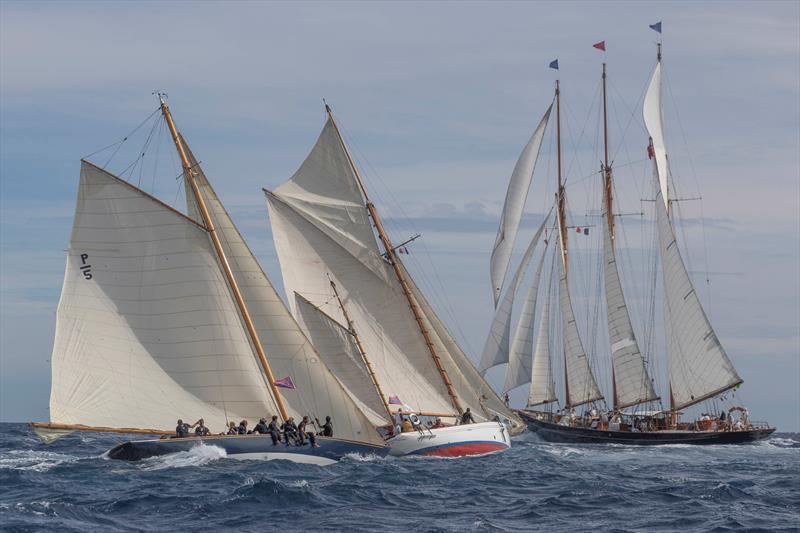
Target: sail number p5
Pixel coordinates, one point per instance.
(86, 268)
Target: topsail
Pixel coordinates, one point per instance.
(513, 207)
(654, 121)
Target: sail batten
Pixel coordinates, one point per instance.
(513, 207)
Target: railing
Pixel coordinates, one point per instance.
(758, 424)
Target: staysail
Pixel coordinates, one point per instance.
(699, 368)
(581, 386)
(146, 330)
(632, 384)
(513, 207)
(543, 387)
(654, 121)
(496, 348)
(521, 355)
(339, 350)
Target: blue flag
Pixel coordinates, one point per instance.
(554, 64)
(656, 26)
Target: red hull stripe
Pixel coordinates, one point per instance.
(461, 449)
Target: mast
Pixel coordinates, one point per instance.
(395, 263)
(189, 174)
(608, 198)
(351, 328)
(561, 197)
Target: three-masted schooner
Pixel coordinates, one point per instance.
(699, 368)
(165, 315)
(367, 317)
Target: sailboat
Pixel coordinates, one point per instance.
(166, 315)
(368, 318)
(699, 368)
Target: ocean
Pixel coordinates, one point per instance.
(70, 486)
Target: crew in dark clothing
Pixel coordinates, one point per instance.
(506, 399)
(201, 430)
(466, 418)
(242, 429)
(303, 433)
(289, 431)
(261, 427)
(327, 427)
(232, 429)
(182, 429)
(274, 430)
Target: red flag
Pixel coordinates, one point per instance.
(651, 152)
(600, 46)
(577, 230)
(285, 383)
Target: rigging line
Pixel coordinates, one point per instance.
(632, 112)
(583, 130)
(155, 159)
(442, 300)
(144, 151)
(121, 140)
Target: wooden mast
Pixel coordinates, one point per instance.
(351, 328)
(189, 174)
(395, 263)
(608, 187)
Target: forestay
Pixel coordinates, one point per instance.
(514, 204)
(632, 384)
(289, 352)
(580, 382)
(654, 121)
(496, 348)
(146, 329)
(699, 368)
(521, 354)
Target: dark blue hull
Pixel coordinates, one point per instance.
(557, 433)
(249, 447)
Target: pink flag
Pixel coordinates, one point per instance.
(285, 383)
(395, 400)
(600, 46)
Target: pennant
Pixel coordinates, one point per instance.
(285, 383)
(656, 26)
(395, 400)
(554, 64)
(600, 46)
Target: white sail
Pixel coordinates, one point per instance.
(543, 387)
(146, 329)
(632, 384)
(313, 244)
(654, 121)
(337, 347)
(289, 352)
(580, 382)
(516, 195)
(699, 368)
(496, 349)
(521, 354)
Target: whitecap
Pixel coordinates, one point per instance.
(38, 461)
(199, 455)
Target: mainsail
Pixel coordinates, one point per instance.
(322, 229)
(580, 384)
(513, 207)
(699, 368)
(146, 330)
(521, 354)
(654, 121)
(543, 387)
(496, 348)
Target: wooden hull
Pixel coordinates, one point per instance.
(260, 447)
(557, 433)
(453, 441)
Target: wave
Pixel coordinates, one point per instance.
(199, 455)
(38, 461)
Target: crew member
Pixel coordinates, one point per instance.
(201, 430)
(289, 431)
(261, 428)
(274, 430)
(466, 418)
(303, 433)
(182, 429)
(242, 429)
(232, 429)
(327, 427)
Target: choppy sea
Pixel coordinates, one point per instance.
(70, 486)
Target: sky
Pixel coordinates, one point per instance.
(436, 100)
